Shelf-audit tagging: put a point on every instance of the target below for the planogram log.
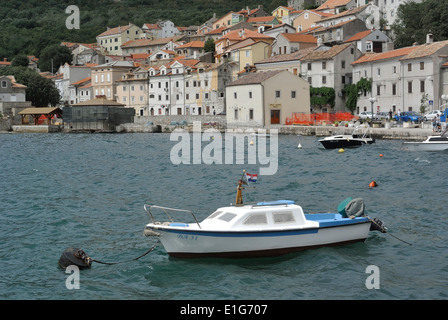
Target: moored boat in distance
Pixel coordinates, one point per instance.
(261, 229)
(356, 139)
(432, 143)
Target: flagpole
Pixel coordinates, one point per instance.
(239, 195)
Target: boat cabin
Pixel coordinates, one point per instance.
(266, 215)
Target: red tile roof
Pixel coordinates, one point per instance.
(298, 37)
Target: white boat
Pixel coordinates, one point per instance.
(260, 230)
(432, 143)
(355, 139)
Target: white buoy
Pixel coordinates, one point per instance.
(299, 146)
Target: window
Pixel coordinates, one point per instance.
(124, 88)
(227, 216)
(378, 90)
(409, 86)
(250, 94)
(283, 217)
(4, 84)
(422, 85)
(259, 218)
(251, 114)
(394, 89)
(293, 94)
(277, 93)
(324, 65)
(422, 65)
(378, 71)
(236, 114)
(309, 65)
(343, 64)
(324, 79)
(395, 69)
(235, 95)
(409, 67)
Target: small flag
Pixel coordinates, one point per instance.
(251, 177)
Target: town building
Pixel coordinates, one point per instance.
(266, 98)
(371, 41)
(105, 77)
(70, 74)
(403, 79)
(330, 67)
(132, 90)
(306, 19)
(292, 42)
(12, 96)
(111, 40)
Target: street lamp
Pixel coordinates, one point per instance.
(372, 101)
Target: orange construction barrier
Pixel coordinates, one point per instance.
(318, 118)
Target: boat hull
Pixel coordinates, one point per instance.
(422, 146)
(344, 143)
(183, 243)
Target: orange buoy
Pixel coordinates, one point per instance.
(381, 155)
(373, 184)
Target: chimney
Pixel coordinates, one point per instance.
(429, 38)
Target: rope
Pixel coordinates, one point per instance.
(110, 263)
(388, 232)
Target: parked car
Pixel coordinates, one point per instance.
(409, 116)
(381, 116)
(365, 115)
(431, 115)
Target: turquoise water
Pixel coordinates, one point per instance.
(88, 191)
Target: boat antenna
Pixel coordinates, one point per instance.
(239, 195)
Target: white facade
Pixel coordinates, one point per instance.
(403, 79)
(181, 89)
(331, 67)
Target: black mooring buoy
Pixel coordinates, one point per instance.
(74, 256)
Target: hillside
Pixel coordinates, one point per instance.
(27, 27)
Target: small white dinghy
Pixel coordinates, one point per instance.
(259, 230)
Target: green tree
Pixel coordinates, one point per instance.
(322, 97)
(40, 91)
(20, 60)
(54, 56)
(415, 20)
(352, 92)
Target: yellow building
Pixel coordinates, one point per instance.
(281, 12)
(110, 41)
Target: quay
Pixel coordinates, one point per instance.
(167, 124)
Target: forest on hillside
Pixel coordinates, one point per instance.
(27, 27)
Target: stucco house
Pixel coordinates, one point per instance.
(404, 78)
(266, 98)
(292, 42)
(330, 67)
(110, 41)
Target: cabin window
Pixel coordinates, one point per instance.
(283, 217)
(214, 214)
(256, 219)
(227, 216)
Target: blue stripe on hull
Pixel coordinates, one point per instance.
(280, 233)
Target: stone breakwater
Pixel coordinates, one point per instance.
(394, 133)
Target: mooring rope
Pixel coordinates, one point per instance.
(381, 227)
(110, 263)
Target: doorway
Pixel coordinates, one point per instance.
(275, 116)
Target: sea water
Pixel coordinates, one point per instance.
(88, 190)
